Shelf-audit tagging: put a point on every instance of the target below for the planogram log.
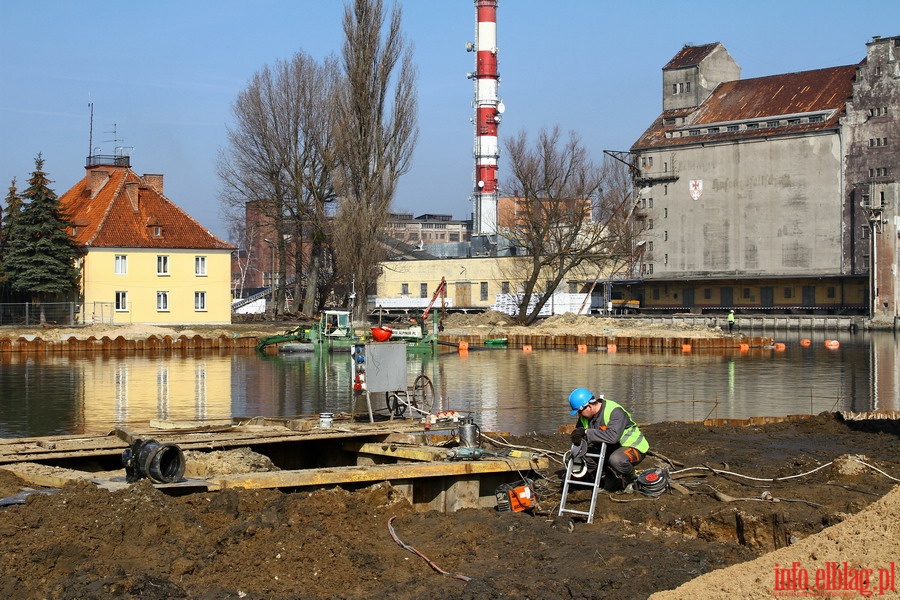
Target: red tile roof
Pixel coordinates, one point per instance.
(823, 91)
(110, 218)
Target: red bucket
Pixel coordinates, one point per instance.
(381, 334)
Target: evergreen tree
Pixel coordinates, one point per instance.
(8, 218)
(41, 256)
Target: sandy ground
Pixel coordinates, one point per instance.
(833, 501)
(490, 323)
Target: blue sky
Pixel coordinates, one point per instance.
(163, 75)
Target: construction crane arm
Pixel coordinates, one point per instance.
(441, 289)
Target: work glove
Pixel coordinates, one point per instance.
(578, 436)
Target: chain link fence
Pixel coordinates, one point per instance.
(31, 314)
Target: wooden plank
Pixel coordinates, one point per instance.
(354, 474)
(421, 453)
(211, 425)
(45, 475)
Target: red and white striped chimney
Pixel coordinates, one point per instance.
(488, 109)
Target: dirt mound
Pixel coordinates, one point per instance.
(498, 324)
(85, 542)
(868, 540)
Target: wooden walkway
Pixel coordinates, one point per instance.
(349, 455)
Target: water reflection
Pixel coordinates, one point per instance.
(506, 390)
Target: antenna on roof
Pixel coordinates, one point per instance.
(91, 131)
(115, 141)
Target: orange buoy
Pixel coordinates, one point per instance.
(526, 348)
(779, 347)
(685, 347)
(745, 347)
(832, 344)
(611, 348)
(805, 343)
(582, 348)
(464, 346)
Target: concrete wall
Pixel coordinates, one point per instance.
(769, 207)
(717, 67)
(464, 277)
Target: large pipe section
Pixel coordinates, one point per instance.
(488, 108)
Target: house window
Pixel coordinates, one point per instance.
(121, 264)
(746, 293)
(674, 88)
(650, 246)
(665, 212)
(816, 119)
(687, 86)
(404, 289)
(793, 121)
(199, 301)
(162, 265)
(656, 293)
(423, 290)
(733, 128)
(665, 189)
(650, 269)
(121, 301)
(157, 231)
(649, 223)
(707, 293)
(829, 292)
(484, 290)
(665, 236)
(695, 132)
(788, 292)
(666, 258)
(162, 301)
(772, 124)
(200, 266)
(504, 287)
(712, 130)
(752, 125)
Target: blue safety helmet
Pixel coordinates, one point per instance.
(579, 398)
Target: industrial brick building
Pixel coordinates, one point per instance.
(771, 194)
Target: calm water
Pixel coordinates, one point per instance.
(505, 390)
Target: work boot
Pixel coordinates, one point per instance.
(628, 481)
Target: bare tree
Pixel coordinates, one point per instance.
(377, 131)
(279, 158)
(564, 222)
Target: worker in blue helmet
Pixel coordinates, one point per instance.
(604, 421)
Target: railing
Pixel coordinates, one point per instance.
(261, 294)
(99, 160)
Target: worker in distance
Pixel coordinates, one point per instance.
(604, 421)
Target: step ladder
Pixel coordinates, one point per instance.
(595, 485)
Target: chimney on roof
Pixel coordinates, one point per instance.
(131, 192)
(97, 179)
(154, 179)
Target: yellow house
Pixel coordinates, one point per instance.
(146, 260)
